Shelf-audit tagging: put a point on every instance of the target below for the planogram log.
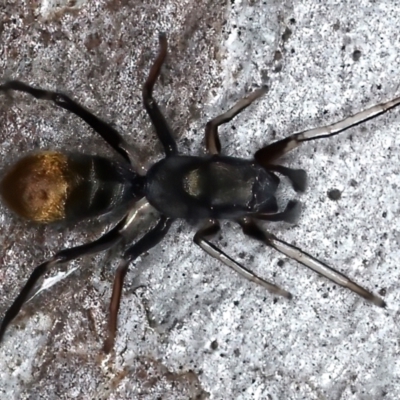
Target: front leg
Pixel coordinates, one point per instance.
(269, 154)
(213, 144)
(163, 131)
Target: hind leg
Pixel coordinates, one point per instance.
(251, 229)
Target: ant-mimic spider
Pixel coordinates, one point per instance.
(55, 186)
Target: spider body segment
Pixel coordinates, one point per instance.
(214, 187)
(53, 186)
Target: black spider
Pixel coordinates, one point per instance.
(53, 186)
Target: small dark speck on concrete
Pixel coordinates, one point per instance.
(280, 263)
(278, 56)
(334, 194)
(214, 345)
(382, 292)
(384, 214)
(353, 183)
(356, 55)
(286, 35)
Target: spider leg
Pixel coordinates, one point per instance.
(210, 230)
(298, 177)
(291, 214)
(148, 241)
(252, 230)
(163, 131)
(213, 144)
(108, 240)
(106, 131)
(272, 152)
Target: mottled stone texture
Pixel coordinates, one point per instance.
(189, 328)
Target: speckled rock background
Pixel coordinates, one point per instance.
(189, 328)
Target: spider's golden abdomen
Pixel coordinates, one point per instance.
(52, 186)
(36, 188)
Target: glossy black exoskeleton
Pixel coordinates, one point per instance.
(210, 187)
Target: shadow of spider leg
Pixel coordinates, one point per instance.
(251, 229)
(211, 229)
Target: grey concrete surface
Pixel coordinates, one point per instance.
(189, 328)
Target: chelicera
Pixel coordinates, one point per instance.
(58, 186)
